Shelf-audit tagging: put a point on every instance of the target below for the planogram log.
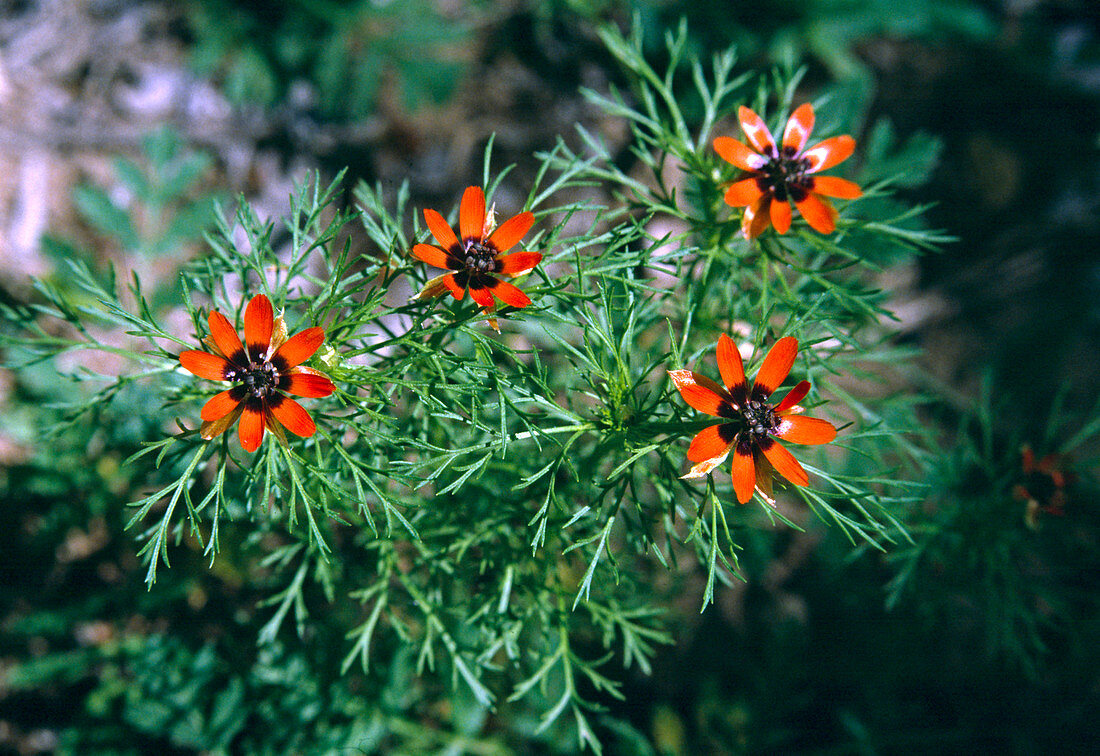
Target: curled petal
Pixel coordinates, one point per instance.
(214, 428)
(278, 334)
(793, 397)
(743, 472)
(291, 416)
(833, 186)
(733, 151)
(756, 219)
(764, 474)
(776, 367)
(222, 404)
(251, 429)
(518, 262)
(826, 154)
(784, 463)
(509, 294)
(698, 391)
(732, 369)
(756, 131)
(432, 255)
(437, 286)
(799, 429)
(440, 229)
(818, 212)
(225, 335)
(703, 469)
(511, 231)
(781, 216)
(711, 443)
(471, 214)
(300, 347)
(259, 322)
(799, 126)
(204, 365)
(309, 384)
(743, 192)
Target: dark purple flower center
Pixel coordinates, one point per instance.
(785, 175)
(478, 257)
(259, 378)
(758, 420)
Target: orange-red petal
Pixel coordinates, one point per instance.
(509, 294)
(799, 429)
(215, 428)
(708, 444)
(518, 262)
(300, 347)
(482, 295)
(452, 285)
(818, 212)
(292, 417)
(430, 254)
(224, 334)
(743, 472)
(440, 229)
(733, 151)
(793, 397)
(784, 463)
(511, 231)
(695, 391)
(204, 365)
(756, 131)
(309, 385)
(471, 213)
(776, 367)
(221, 405)
(259, 322)
(780, 213)
(834, 186)
(764, 474)
(799, 126)
(756, 219)
(830, 152)
(743, 192)
(251, 429)
(731, 367)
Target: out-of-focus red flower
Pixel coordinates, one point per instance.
(752, 423)
(1043, 488)
(476, 254)
(778, 176)
(265, 371)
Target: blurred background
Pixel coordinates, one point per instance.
(123, 125)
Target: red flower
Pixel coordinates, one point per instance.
(752, 423)
(269, 366)
(778, 177)
(1043, 487)
(478, 257)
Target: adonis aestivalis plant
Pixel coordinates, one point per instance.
(779, 176)
(753, 423)
(265, 368)
(471, 488)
